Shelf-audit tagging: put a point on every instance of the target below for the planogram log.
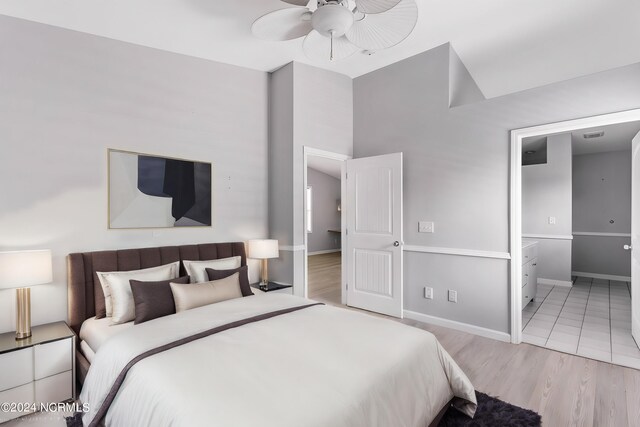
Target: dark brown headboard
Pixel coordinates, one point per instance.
(83, 285)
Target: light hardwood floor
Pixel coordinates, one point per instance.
(567, 390)
(325, 272)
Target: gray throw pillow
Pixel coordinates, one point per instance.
(245, 288)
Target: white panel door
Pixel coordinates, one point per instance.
(374, 234)
(635, 238)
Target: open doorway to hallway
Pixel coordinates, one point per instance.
(323, 219)
(576, 229)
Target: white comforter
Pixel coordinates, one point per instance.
(318, 366)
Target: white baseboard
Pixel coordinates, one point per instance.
(602, 276)
(328, 251)
(565, 283)
(459, 326)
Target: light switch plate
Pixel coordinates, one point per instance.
(552, 220)
(426, 227)
(428, 292)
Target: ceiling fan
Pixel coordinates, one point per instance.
(336, 29)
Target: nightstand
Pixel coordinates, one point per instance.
(38, 369)
(275, 287)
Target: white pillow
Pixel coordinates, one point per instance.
(192, 295)
(118, 298)
(196, 269)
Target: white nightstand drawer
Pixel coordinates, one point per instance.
(17, 368)
(22, 395)
(53, 358)
(283, 291)
(54, 389)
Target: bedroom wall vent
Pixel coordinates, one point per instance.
(592, 135)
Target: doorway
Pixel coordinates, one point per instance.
(371, 243)
(323, 219)
(571, 218)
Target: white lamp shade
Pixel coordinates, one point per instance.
(263, 249)
(21, 269)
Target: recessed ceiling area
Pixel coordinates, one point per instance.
(615, 137)
(507, 45)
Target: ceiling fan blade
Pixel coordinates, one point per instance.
(284, 24)
(318, 47)
(375, 6)
(383, 30)
(297, 2)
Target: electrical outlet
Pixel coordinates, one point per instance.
(453, 295)
(552, 220)
(428, 292)
(426, 227)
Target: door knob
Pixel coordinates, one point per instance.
(627, 247)
(396, 243)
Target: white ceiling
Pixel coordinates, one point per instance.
(507, 45)
(616, 138)
(322, 164)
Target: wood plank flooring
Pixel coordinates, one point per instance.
(325, 276)
(567, 390)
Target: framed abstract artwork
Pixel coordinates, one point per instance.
(148, 191)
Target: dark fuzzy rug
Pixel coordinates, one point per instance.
(492, 412)
(75, 420)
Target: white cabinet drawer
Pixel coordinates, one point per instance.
(528, 253)
(17, 368)
(525, 275)
(22, 395)
(54, 389)
(52, 358)
(526, 295)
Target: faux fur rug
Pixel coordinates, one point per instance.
(492, 412)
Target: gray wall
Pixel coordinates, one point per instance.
(325, 215)
(546, 192)
(65, 97)
(281, 171)
(456, 169)
(601, 193)
(315, 110)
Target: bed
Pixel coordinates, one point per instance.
(268, 360)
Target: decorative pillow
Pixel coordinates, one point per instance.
(163, 272)
(122, 305)
(192, 295)
(153, 299)
(245, 288)
(196, 269)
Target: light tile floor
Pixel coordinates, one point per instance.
(590, 319)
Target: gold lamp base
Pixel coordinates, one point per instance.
(264, 274)
(23, 313)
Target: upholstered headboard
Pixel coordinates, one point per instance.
(83, 285)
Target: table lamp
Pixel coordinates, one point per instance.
(263, 249)
(18, 270)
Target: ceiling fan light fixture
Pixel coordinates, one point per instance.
(332, 20)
